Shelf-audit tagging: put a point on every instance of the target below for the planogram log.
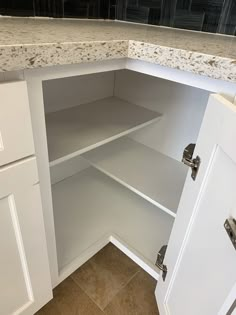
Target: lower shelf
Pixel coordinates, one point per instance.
(89, 205)
(150, 174)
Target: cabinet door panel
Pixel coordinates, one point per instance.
(15, 280)
(200, 257)
(25, 284)
(16, 138)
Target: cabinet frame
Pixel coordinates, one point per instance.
(34, 80)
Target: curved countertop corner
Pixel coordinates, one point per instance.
(27, 43)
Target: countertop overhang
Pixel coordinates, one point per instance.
(27, 43)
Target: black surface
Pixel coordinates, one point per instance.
(17, 7)
(201, 15)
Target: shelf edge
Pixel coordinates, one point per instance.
(137, 192)
(100, 143)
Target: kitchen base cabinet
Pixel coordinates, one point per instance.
(109, 143)
(25, 279)
(115, 155)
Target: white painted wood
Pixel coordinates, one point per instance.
(34, 80)
(83, 257)
(182, 108)
(2, 77)
(57, 72)
(16, 141)
(89, 206)
(25, 283)
(150, 174)
(183, 77)
(79, 129)
(200, 257)
(39, 133)
(97, 246)
(14, 76)
(229, 306)
(67, 168)
(135, 256)
(73, 91)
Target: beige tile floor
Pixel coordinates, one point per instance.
(109, 283)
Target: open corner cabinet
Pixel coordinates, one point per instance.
(115, 143)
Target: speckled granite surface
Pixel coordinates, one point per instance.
(30, 43)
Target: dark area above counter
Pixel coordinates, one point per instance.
(215, 16)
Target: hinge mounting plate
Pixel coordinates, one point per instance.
(160, 260)
(230, 227)
(189, 161)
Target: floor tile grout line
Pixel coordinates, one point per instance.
(124, 286)
(115, 293)
(121, 288)
(130, 279)
(87, 294)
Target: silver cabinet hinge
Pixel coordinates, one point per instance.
(189, 161)
(230, 227)
(160, 260)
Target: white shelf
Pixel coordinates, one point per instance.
(152, 175)
(89, 205)
(76, 130)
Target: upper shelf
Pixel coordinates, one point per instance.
(152, 175)
(76, 130)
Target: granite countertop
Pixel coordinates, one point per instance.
(27, 43)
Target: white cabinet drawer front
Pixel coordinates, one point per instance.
(25, 284)
(16, 137)
(18, 176)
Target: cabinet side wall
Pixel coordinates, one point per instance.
(73, 91)
(182, 108)
(68, 168)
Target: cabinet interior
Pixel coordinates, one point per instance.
(115, 143)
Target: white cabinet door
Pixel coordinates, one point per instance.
(200, 258)
(16, 137)
(24, 271)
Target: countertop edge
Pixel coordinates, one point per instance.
(31, 56)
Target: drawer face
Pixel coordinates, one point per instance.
(16, 137)
(17, 176)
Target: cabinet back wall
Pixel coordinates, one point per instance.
(216, 16)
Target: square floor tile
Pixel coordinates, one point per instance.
(69, 299)
(49, 309)
(105, 274)
(137, 298)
